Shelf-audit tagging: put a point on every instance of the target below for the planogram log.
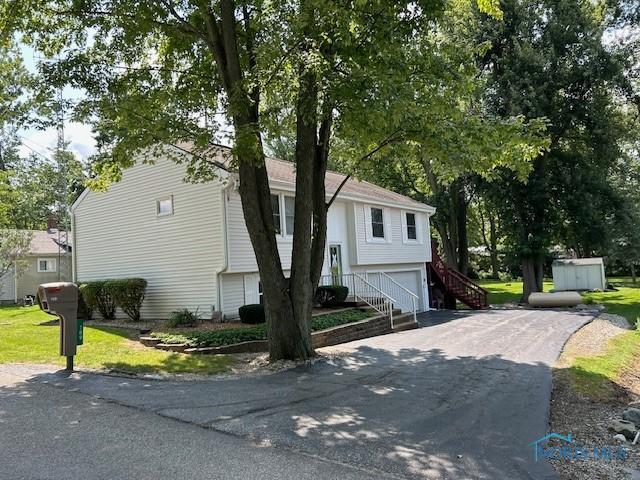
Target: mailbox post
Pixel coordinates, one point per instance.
(61, 299)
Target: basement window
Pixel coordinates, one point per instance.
(164, 206)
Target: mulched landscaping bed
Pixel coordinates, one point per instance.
(199, 338)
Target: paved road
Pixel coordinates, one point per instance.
(461, 398)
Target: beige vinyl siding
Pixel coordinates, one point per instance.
(241, 256)
(118, 234)
(29, 280)
(232, 293)
(7, 287)
(356, 249)
(394, 250)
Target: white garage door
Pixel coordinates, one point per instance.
(412, 281)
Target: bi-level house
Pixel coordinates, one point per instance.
(190, 242)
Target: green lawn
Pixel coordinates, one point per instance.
(625, 302)
(28, 335)
(595, 376)
(506, 292)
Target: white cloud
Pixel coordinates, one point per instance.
(79, 136)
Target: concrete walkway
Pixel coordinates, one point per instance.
(461, 398)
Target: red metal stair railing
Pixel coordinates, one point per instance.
(456, 284)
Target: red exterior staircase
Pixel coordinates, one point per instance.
(447, 285)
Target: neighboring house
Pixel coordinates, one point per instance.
(190, 242)
(49, 260)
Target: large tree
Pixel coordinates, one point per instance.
(548, 58)
(159, 72)
(39, 188)
(440, 132)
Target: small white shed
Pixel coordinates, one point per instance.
(579, 274)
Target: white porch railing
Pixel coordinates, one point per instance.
(406, 299)
(362, 290)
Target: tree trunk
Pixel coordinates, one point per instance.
(460, 215)
(493, 250)
(532, 269)
(288, 302)
(448, 248)
(633, 272)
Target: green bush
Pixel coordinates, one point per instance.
(183, 318)
(252, 313)
(96, 297)
(331, 295)
(84, 312)
(128, 294)
(215, 338)
(329, 320)
(229, 336)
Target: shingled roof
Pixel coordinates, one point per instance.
(45, 242)
(284, 172)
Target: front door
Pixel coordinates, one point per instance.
(335, 264)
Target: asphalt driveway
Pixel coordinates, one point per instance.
(461, 398)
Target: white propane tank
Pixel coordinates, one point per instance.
(554, 299)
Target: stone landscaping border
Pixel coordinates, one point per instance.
(369, 327)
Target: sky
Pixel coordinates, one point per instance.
(79, 136)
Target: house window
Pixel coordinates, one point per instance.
(260, 294)
(164, 206)
(289, 209)
(275, 209)
(46, 265)
(412, 233)
(377, 222)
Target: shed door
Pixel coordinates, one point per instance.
(411, 280)
(582, 277)
(595, 277)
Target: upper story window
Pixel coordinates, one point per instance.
(289, 210)
(412, 232)
(164, 206)
(275, 209)
(377, 222)
(46, 265)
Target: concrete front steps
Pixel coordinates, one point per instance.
(401, 321)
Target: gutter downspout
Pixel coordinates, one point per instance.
(74, 273)
(15, 282)
(225, 247)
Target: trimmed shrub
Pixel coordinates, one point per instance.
(331, 295)
(84, 312)
(128, 294)
(252, 313)
(97, 297)
(183, 318)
